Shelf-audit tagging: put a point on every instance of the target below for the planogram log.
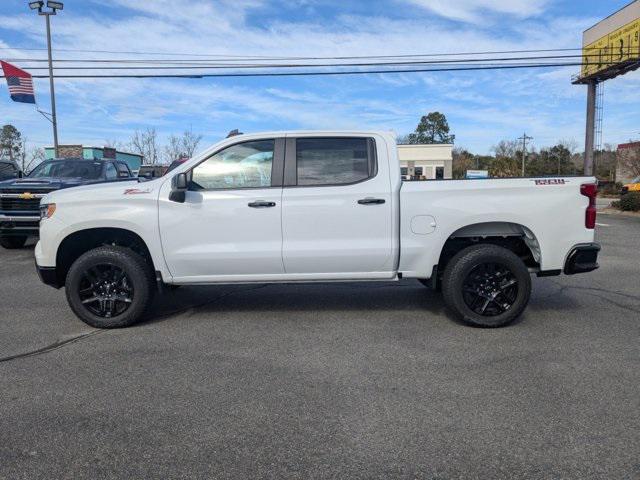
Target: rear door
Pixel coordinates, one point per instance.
(337, 208)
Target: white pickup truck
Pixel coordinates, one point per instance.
(313, 207)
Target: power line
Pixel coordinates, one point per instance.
(289, 65)
(485, 62)
(324, 73)
(233, 73)
(264, 57)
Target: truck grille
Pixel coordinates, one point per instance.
(11, 202)
(17, 204)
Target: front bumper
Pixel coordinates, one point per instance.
(582, 259)
(19, 225)
(48, 276)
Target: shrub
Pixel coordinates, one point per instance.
(629, 202)
(609, 188)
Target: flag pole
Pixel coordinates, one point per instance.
(53, 94)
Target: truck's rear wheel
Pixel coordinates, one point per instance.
(12, 243)
(109, 287)
(486, 285)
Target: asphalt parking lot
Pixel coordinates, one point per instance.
(326, 381)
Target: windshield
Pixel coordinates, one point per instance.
(636, 180)
(85, 169)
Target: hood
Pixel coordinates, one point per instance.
(46, 183)
(102, 191)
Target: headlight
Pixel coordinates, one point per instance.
(47, 210)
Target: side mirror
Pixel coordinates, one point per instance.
(179, 185)
(19, 174)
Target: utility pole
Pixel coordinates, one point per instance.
(525, 138)
(53, 8)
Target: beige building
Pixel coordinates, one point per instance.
(430, 162)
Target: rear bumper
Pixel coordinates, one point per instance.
(19, 225)
(582, 259)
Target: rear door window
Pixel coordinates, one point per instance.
(334, 161)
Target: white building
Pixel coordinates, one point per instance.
(430, 162)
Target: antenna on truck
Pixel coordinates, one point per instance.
(234, 133)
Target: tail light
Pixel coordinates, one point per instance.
(590, 191)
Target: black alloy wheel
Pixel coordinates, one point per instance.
(106, 290)
(490, 289)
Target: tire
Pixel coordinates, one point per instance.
(11, 243)
(110, 287)
(486, 286)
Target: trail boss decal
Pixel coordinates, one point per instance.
(136, 191)
(551, 181)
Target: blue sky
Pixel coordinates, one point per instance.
(482, 107)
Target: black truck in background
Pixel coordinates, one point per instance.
(9, 170)
(20, 197)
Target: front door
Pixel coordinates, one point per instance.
(229, 227)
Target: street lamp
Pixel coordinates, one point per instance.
(53, 8)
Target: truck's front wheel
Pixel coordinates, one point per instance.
(109, 287)
(13, 242)
(486, 285)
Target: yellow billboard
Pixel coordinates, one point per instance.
(619, 46)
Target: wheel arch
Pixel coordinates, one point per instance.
(81, 241)
(515, 237)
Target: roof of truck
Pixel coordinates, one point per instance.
(282, 133)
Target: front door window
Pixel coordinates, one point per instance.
(245, 165)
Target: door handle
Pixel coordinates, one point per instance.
(371, 201)
(262, 204)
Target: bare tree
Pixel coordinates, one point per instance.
(173, 149)
(507, 161)
(29, 157)
(629, 161)
(570, 144)
(506, 149)
(182, 146)
(190, 142)
(145, 143)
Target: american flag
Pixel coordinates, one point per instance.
(20, 83)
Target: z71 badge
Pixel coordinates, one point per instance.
(551, 181)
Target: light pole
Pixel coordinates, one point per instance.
(53, 8)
